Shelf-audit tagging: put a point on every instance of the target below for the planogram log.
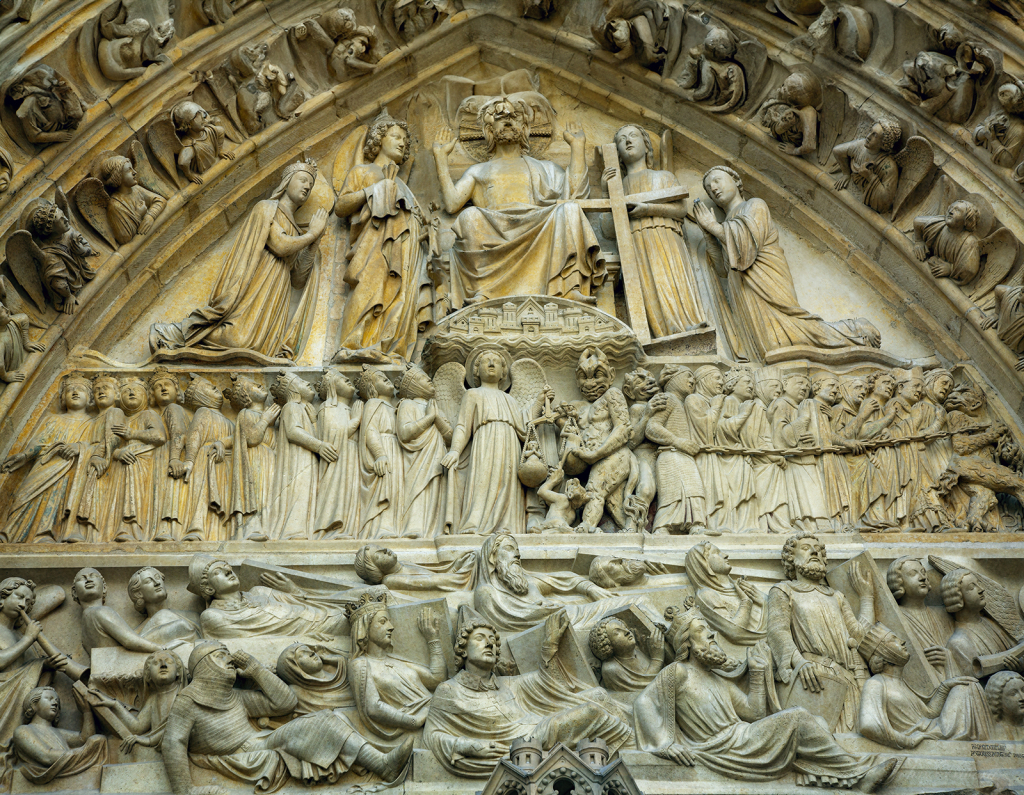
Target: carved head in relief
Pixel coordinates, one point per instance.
(48, 222)
(163, 386)
(633, 143)
(907, 577)
(612, 638)
(291, 387)
(854, 389)
(373, 563)
(162, 671)
(691, 636)
(719, 45)
(723, 185)
(739, 381)
(146, 586)
(938, 383)
(370, 625)
(796, 386)
(640, 385)
(881, 647)
(134, 395)
(75, 392)
(335, 382)
(188, 118)
(883, 136)
(118, 171)
(1011, 97)
(882, 385)
(210, 664)
(16, 595)
(709, 380)
(962, 216)
(202, 393)
(608, 572)
(387, 136)
(489, 365)
(211, 577)
(910, 384)
(478, 644)
(89, 586)
(300, 665)
(961, 590)
(803, 555)
(505, 121)
(374, 384)
(594, 375)
(768, 383)
(41, 701)
(677, 380)
(826, 388)
(243, 392)
(708, 567)
(105, 391)
(415, 383)
(1004, 693)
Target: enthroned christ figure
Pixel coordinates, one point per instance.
(524, 234)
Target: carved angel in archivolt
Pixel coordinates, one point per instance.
(491, 423)
(188, 142)
(640, 28)
(804, 117)
(113, 202)
(14, 342)
(967, 247)
(887, 175)
(48, 108)
(47, 256)
(127, 44)
(351, 49)
(946, 81)
(715, 74)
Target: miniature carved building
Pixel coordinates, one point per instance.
(530, 770)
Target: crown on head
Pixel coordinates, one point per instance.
(161, 374)
(306, 164)
(367, 605)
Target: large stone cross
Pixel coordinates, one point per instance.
(618, 204)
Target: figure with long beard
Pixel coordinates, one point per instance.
(514, 600)
(809, 626)
(730, 731)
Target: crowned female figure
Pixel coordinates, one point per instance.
(271, 257)
(387, 260)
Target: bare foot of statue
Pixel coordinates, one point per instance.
(576, 295)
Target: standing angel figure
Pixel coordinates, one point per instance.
(490, 429)
(271, 257)
(390, 293)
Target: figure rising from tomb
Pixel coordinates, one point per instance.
(625, 666)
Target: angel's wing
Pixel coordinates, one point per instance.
(91, 199)
(450, 389)
(753, 57)
(350, 154)
(528, 379)
(23, 259)
(999, 602)
(916, 161)
(61, 200)
(830, 121)
(147, 178)
(1000, 250)
(165, 146)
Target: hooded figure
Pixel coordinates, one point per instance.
(734, 608)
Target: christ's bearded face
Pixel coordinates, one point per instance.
(509, 570)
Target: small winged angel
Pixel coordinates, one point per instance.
(113, 202)
(188, 142)
(887, 178)
(989, 629)
(491, 423)
(963, 246)
(804, 117)
(47, 256)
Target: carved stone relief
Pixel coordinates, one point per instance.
(369, 371)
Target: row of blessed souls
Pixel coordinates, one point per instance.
(748, 684)
(698, 452)
(401, 278)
